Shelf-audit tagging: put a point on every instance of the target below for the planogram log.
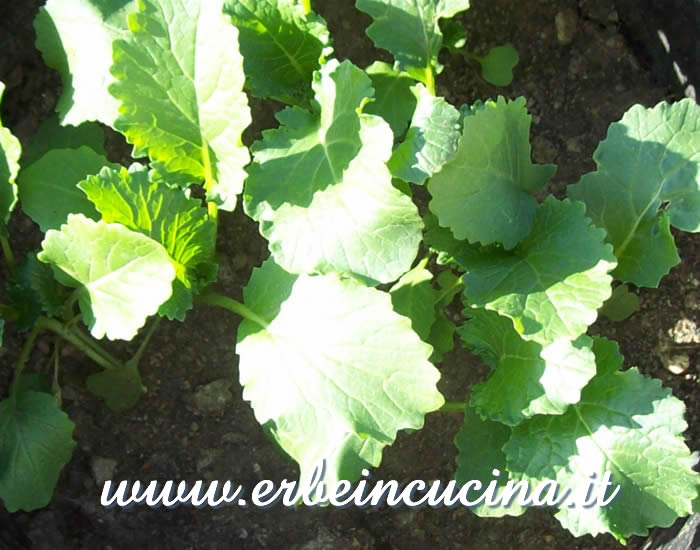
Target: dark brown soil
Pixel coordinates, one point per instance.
(574, 91)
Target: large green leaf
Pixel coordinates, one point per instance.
(48, 188)
(180, 83)
(648, 178)
(486, 193)
(75, 37)
(166, 215)
(51, 135)
(122, 276)
(479, 451)
(35, 443)
(330, 370)
(627, 425)
(414, 297)
(431, 140)
(322, 192)
(410, 30)
(552, 284)
(393, 99)
(10, 151)
(281, 46)
(527, 379)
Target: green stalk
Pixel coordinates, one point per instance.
(134, 361)
(92, 350)
(22, 359)
(9, 256)
(90, 342)
(212, 208)
(234, 306)
(445, 291)
(430, 80)
(453, 406)
(306, 4)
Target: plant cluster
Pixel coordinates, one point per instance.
(334, 363)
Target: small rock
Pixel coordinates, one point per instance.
(543, 150)
(207, 457)
(574, 144)
(213, 398)
(68, 393)
(685, 331)
(677, 364)
(102, 469)
(565, 22)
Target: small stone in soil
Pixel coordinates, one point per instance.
(213, 398)
(102, 469)
(565, 22)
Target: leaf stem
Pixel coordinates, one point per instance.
(9, 256)
(306, 4)
(90, 342)
(446, 291)
(453, 406)
(74, 337)
(214, 299)
(213, 211)
(430, 80)
(23, 356)
(134, 361)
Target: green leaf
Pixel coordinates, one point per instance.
(281, 46)
(454, 35)
(121, 387)
(10, 151)
(38, 277)
(410, 30)
(431, 140)
(625, 424)
(33, 291)
(2, 328)
(166, 215)
(33, 381)
(48, 188)
(332, 371)
(548, 291)
(35, 443)
(441, 336)
(51, 135)
(122, 276)
(497, 66)
(479, 444)
(620, 305)
(648, 178)
(394, 100)
(66, 31)
(321, 190)
(486, 193)
(527, 379)
(180, 83)
(414, 297)
(441, 241)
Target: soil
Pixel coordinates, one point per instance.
(185, 427)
